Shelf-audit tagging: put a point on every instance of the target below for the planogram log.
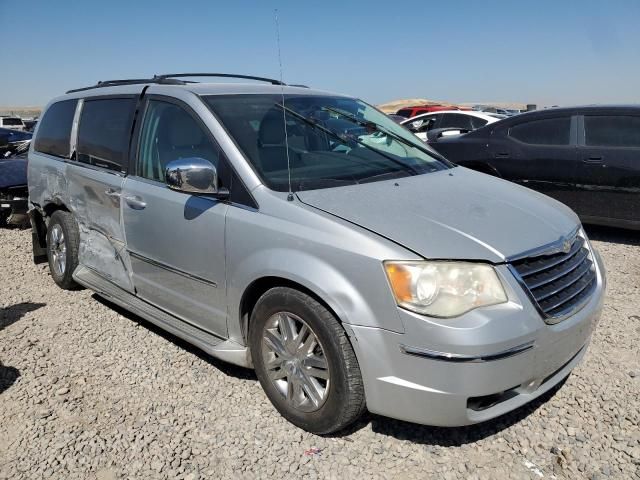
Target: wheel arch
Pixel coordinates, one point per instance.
(260, 286)
(39, 218)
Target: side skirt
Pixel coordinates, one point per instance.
(226, 350)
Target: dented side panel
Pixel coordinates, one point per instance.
(94, 198)
(46, 177)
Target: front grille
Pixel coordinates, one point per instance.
(558, 283)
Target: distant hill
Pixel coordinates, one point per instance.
(24, 112)
(395, 105)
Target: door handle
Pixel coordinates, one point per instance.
(110, 192)
(593, 159)
(135, 202)
(502, 155)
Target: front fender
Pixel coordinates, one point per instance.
(337, 261)
(348, 301)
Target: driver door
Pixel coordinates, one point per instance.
(175, 240)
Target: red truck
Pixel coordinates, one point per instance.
(409, 112)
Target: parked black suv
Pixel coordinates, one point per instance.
(586, 157)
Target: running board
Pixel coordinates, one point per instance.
(226, 350)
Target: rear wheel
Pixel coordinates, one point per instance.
(304, 361)
(62, 249)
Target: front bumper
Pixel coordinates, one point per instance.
(481, 366)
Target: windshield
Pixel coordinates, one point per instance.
(332, 141)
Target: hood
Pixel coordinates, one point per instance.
(451, 214)
(13, 172)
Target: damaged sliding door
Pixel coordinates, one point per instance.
(95, 178)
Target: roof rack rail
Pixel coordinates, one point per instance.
(222, 75)
(172, 79)
(127, 81)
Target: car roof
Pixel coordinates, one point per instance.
(219, 88)
(577, 109)
(470, 113)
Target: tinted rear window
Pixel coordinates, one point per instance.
(405, 112)
(12, 121)
(612, 131)
(103, 135)
(54, 130)
(456, 120)
(550, 131)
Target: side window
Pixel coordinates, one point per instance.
(422, 124)
(103, 134)
(478, 122)
(612, 131)
(169, 133)
(429, 123)
(455, 120)
(54, 131)
(550, 131)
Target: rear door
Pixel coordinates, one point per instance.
(95, 176)
(176, 240)
(610, 155)
(540, 154)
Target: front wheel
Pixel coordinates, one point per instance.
(304, 361)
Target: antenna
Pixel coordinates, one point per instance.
(284, 112)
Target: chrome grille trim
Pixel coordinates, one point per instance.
(559, 283)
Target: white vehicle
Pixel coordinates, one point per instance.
(14, 123)
(463, 120)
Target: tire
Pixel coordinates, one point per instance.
(62, 249)
(4, 216)
(318, 388)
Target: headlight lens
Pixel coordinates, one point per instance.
(444, 289)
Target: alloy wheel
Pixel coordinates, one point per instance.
(58, 250)
(295, 361)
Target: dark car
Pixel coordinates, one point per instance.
(13, 190)
(586, 157)
(14, 145)
(13, 141)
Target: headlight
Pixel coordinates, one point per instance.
(444, 289)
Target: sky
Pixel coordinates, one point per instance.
(543, 52)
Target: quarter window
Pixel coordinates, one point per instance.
(612, 131)
(103, 135)
(170, 133)
(550, 131)
(478, 122)
(54, 131)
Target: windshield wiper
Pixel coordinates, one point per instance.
(373, 125)
(383, 176)
(345, 138)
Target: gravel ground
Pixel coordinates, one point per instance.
(88, 390)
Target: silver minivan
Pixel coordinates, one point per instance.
(306, 235)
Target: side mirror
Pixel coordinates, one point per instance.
(193, 175)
